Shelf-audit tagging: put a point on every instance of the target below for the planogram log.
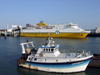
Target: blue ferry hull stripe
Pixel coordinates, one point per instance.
(60, 66)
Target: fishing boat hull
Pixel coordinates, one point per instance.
(67, 67)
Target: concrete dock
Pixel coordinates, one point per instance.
(94, 32)
(95, 61)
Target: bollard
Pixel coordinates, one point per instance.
(12, 33)
(5, 34)
(0, 34)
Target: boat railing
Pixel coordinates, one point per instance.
(54, 58)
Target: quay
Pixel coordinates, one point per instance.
(93, 35)
(94, 32)
(95, 61)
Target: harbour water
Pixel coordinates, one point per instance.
(10, 50)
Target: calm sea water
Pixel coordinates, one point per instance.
(10, 50)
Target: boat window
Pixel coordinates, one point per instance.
(52, 49)
(35, 59)
(29, 58)
(55, 48)
(49, 49)
(44, 49)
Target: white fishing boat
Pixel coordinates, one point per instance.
(48, 58)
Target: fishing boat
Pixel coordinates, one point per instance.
(48, 58)
(61, 30)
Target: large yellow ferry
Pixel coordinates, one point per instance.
(61, 30)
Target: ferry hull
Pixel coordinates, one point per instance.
(63, 35)
(59, 67)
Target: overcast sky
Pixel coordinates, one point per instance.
(21, 12)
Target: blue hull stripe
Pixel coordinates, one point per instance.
(60, 66)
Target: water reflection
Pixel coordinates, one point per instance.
(92, 71)
(24, 71)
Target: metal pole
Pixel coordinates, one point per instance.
(5, 34)
(0, 34)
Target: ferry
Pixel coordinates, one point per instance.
(61, 30)
(48, 58)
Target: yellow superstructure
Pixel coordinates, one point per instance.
(41, 24)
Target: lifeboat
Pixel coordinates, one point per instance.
(39, 27)
(47, 28)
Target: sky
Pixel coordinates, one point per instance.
(20, 12)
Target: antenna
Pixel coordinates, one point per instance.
(67, 21)
(7, 26)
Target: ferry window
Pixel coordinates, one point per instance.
(52, 49)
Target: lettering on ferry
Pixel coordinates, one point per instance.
(57, 32)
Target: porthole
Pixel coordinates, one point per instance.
(49, 49)
(44, 49)
(52, 49)
(35, 59)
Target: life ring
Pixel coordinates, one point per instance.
(39, 27)
(47, 28)
(57, 32)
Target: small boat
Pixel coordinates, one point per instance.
(48, 58)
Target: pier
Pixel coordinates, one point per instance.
(94, 32)
(13, 31)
